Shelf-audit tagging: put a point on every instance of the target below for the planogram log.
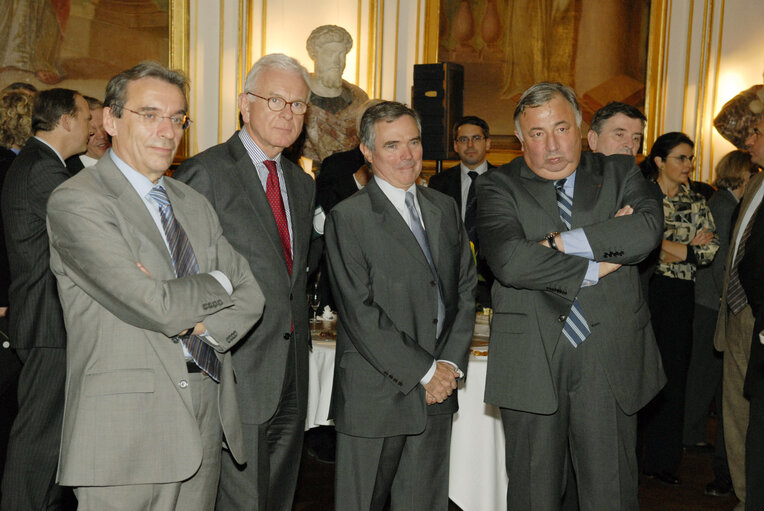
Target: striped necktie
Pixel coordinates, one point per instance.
(184, 262)
(736, 299)
(576, 329)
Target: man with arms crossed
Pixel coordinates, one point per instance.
(265, 205)
(404, 280)
(154, 297)
(573, 356)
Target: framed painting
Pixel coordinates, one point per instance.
(81, 44)
(506, 46)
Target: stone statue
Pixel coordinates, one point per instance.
(330, 124)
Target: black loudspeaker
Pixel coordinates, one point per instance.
(438, 97)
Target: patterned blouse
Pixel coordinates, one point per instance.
(684, 215)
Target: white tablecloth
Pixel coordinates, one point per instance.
(478, 478)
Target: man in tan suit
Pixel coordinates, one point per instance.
(153, 297)
(734, 326)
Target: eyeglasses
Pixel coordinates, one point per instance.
(475, 139)
(277, 104)
(683, 158)
(152, 119)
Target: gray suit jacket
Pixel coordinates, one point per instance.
(387, 309)
(226, 176)
(721, 340)
(129, 418)
(535, 286)
(35, 312)
(709, 279)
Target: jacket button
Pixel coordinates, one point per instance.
(176, 340)
(435, 321)
(562, 318)
(432, 283)
(290, 296)
(183, 384)
(287, 336)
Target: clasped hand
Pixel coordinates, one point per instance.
(442, 384)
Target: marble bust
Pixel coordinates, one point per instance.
(330, 125)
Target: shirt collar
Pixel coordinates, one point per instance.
(138, 181)
(396, 195)
(256, 154)
(480, 169)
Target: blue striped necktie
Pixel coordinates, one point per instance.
(184, 262)
(576, 329)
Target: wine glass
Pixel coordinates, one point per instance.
(314, 298)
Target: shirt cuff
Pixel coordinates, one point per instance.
(592, 274)
(428, 376)
(223, 280)
(576, 243)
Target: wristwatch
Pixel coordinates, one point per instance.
(550, 239)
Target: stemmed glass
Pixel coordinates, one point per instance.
(314, 298)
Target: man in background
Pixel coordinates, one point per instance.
(472, 141)
(265, 206)
(98, 142)
(61, 126)
(616, 128)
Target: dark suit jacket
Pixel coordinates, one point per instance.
(536, 285)
(335, 182)
(387, 303)
(751, 271)
(709, 279)
(35, 312)
(74, 164)
(450, 182)
(6, 158)
(226, 176)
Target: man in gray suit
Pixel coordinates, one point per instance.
(573, 356)
(404, 279)
(154, 297)
(61, 124)
(265, 205)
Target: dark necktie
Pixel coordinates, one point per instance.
(184, 262)
(470, 212)
(273, 192)
(421, 237)
(576, 329)
(736, 298)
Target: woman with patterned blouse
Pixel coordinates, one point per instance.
(688, 242)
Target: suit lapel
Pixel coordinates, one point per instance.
(393, 223)
(543, 193)
(585, 193)
(253, 188)
(431, 216)
(295, 203)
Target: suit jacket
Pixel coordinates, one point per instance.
(35, 318)
(751, 271)
(387, 300)
(450, 182)
(536, 285)
(335, 182)
(226, 176)
(721, 340)
(709, 279)
(129, 417)
(74, 164)
(6, 159)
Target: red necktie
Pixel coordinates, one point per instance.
(273, 192)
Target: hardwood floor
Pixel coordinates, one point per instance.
(315, 490)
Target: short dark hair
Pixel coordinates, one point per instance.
(661, 147)
(387, 111)
(614, 108)
(50, 105)
(473, 120)
(116, 89)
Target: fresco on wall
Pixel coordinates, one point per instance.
(598, 47)
(79, 44)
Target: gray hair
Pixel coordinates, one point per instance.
(116, 89)
(327, 34)
(541, 94)
(387, 111)
(275, 61)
